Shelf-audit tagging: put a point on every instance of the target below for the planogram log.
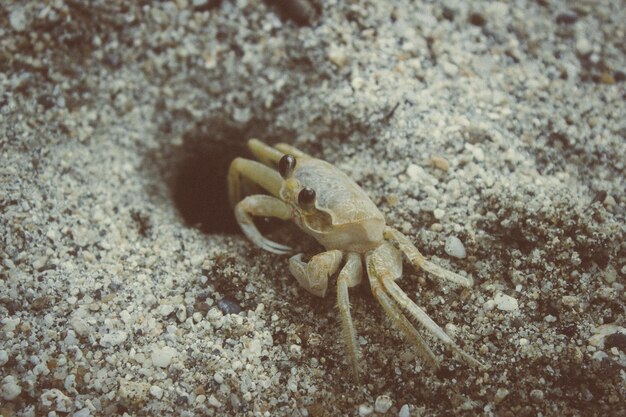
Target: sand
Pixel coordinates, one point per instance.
(491, 133)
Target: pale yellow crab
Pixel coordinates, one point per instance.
(332, 208)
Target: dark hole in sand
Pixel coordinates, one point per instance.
(200, 193)
(198, 183)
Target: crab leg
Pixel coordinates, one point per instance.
(265, 153)
(417, 259)
(420, 315)
(286, 148)
(313, 276)
(265, 206)
(253, 171)
(349, 276)
(383, 265)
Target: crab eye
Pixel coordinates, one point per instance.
(306, 198)
(286, 165)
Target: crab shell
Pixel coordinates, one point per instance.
(343, 216)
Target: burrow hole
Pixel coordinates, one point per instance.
(196, 170)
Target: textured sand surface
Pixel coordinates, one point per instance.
(491, 128)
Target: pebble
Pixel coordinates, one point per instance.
(214, 402)
(156, 391)
(536, 395)
(583, 46)
(404, 411)
(80, 326)
(383, 404)
(114, 338)
(449, 69)
(166, 309)
(337, 56)
(84, 412)
(570, 300)
(414, 172)
(440, 163)
(365, 410)
(602, 332)
(228, 306)
(162, 358)
(55, 400)
(4, 357)
(454, 247)
(501, 394)
(17, 19)
(10, 388)
(505, 302)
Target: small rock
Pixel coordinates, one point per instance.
(4, 357)
(166, 309)
(84, 412)
(489, 305)
(382, 404)
(449, 69)
(337, 56)
(501, 394)
(162, 357)
(549, 318)
(505, 302)
(214, 402)
(602, 332)
(536, 395)
(80, 326)
(440, 163)
(414, 172)
(114, 338)
(10, 388)
(438, 213)
(228, 306)
(583, 46)
(133, 393)
(365, 410)
(156, 391)
(17, 19)
(570, 300)
(404, 411)
(454, 247)
(55, 400)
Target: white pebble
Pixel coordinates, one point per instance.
(163, 357)
(454, 247)
(80, 326)
(365, 410)
(382, 404)
(337, 56)
(214, 402)
(166, 309)
(156, 391)
(583, 46)
(85, 412)
(438, 213)
(414, 172)
(549, 318)
(404, 411)
(449, 68)
(505, 302)
(4, 357)
(17, 19)
(54, 400)
(10, 388)
(536, 395)
(113, 339)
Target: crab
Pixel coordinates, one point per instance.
(327, 205)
